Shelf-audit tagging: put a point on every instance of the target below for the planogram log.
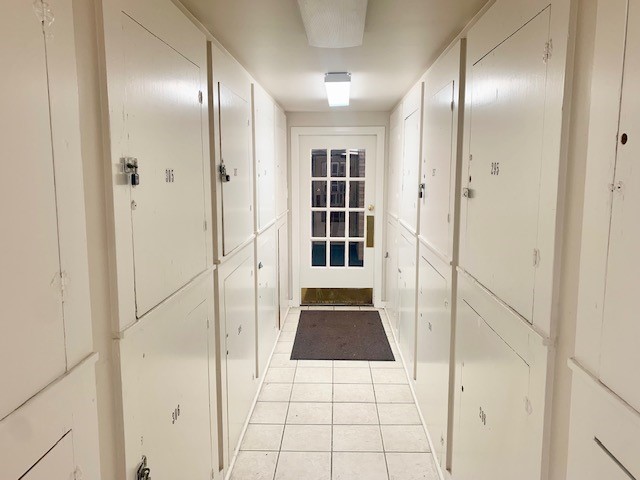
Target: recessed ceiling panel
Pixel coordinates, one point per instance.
(334, 23)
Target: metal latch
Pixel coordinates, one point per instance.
(260, 265)
(421, 190)
(224, 176)
(143, 472)
(130, 167)
(467, 193)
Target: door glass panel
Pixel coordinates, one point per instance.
(356, 224)
(337, 254)
(338, 194)
(319, 224)
(338, 163)
(356, 254)
(318, 193)
(338, 222)
(357, 161)
(356, 194)
(319, 254)
(318, 163)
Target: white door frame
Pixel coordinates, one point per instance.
(296, 133)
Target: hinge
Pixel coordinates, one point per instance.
(448, 218)
(536, 257)
(200, 97)
(548, 51)
(453, 105)
(63, 284)
(470, 157)
(205, 225)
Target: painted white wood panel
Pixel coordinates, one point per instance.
(394, 167)
(503, 368)
(604, 432)
(164, 369)
(237, 313)
(621, 330)
(433, 350)
(163, 120)
(235, 155)
(507, 110)
(66, 405)
(282, 166)
(391, 275)
(267, 293)
(438, 166)
(265, 151)
(32, 346)
(407, 271)
(283, 271)
(410, 171)
(57, 463)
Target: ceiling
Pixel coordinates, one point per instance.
(401, 39)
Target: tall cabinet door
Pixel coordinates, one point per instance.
(165, 135)
(621, 329)
(32, 347)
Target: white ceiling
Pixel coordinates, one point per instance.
(401, 39)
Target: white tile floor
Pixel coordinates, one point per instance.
(340, 420)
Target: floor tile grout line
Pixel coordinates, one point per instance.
(384, 451)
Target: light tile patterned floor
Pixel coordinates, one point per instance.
(340, 420)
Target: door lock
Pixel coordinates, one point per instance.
(224, 176)
(467, 193)
(130, 167)
(143, 472)
(421, 190)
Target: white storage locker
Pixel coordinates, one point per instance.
(234, 169)
(391, 272)
(620, 327)
(506, 102)
(265, 151)
(267, 278)
(438, 167)
(283, 271)
(54, 434)
(502, 378)
(236, 291)
(165, 361)
(56, 464)
(282, 170)
(604, 432)
(433, 350)
(410, 170)
(164, 134)
(394, 168)
(407, 271)
(31, 311)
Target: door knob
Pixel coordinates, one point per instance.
(371, 207)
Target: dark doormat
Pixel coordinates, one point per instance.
(341, 335)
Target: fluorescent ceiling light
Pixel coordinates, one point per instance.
(338, 86)
(334, 23)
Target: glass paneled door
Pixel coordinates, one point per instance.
(337, 195)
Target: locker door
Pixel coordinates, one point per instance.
(621, 329)
(407, 299)
(237, 191)
(267, 291)
(282, 173)
(391, 280)
(410, 166)
(239, 316)
(506, 131)
(163, 121)
(32, 348)
(283, 271)
(491, 431)
(265, 157)
(56, 464)
(433, 354)
(436, 170)
(394, 183)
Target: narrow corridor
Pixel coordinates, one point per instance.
(334, 420)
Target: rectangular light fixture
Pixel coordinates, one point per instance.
(334, 23)
(338, 85)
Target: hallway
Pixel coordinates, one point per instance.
(334, 420)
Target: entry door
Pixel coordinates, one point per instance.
(337, 194)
